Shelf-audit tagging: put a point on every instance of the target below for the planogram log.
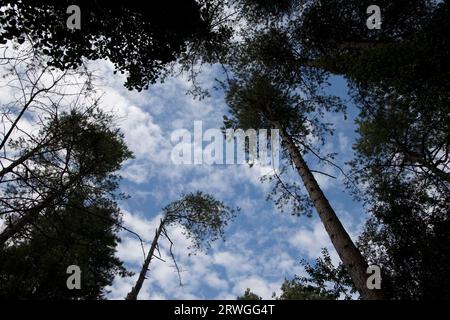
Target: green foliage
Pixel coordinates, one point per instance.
(331, 26)
(257, 10)
(248, 295)
(74, 151)
(402, 155)
(202, 217)
(272, 86)
(324, 281)
(288, 195)
(399, 78)
(81, 233)
(92, 141)
(403, 136)
(66, 189)
(404, 121)
(409, 237)
(295, 289)
(328, 280)
(139, 43)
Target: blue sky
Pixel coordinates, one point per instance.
(263, 246)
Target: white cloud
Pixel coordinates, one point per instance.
(311, 241)
(232, 262)
(344, 143)
(213, 280)
(258, 255)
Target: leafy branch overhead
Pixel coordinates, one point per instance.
(202, 217)
(296, 66)
(139, 43)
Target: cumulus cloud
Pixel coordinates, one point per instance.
(258, 285)
(263, 246)
(311, 241)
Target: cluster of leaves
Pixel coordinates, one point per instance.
(139, 43)
(74, 151)
(324, 281)
(62, 193)
(81, 233)
(249, 295)
(255, 10)
(402, 153)
(328, 280)
(287, 195)
(202, 217)
(408, 237)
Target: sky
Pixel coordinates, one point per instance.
(262, 246)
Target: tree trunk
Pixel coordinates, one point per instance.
(16, 226)
(132, 295)
(348, 252)
(21, 160)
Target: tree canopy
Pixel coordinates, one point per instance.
(139, 42)
(59, 184)
(81, 233)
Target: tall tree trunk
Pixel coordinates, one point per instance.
(27, 217)
(22, 159)
(24, 108)
(350, 255)
(132, 295)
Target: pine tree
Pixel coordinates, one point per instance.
(81, 233)
(203, 219)
(268, 94)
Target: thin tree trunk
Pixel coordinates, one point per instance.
(25, 107)
(132, 295)
(348, 252)
(21, 160)
(26, 219)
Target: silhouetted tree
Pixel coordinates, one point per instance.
(81, 233)
(396, 73)
(140, 40)
(266, 93)
(249, 295)
(203, 219)
(55, 140)
(399, 79)
(85, 155)
(409, 238)
(324, 281)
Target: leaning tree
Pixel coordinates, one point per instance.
(55, 140)
(287, 95)
(203, 219)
